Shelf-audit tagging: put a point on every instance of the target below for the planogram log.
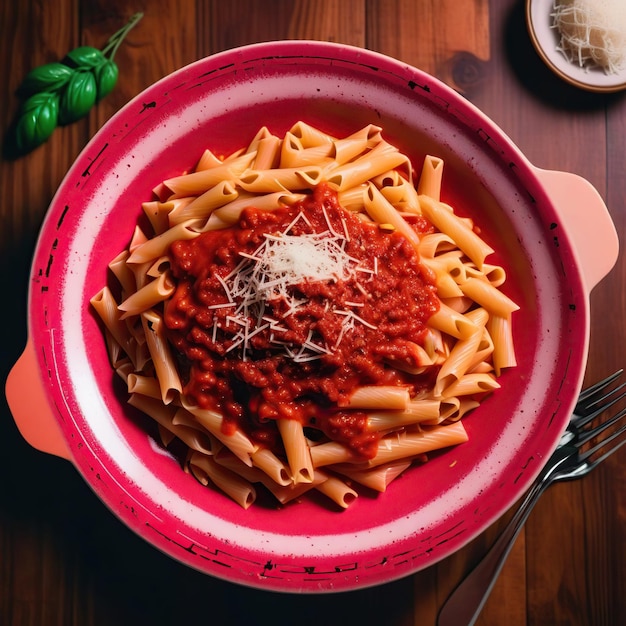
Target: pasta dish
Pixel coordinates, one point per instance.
(306, 314)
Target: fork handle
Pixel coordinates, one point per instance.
(465, 603)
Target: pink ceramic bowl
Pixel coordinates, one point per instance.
(66, 400)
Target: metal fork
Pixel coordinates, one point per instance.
(570, 460)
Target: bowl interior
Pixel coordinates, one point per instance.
(220, 102)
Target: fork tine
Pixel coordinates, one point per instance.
(587, 435)
(598, 407)
(601, 444)
(610, 451)
(598, 387)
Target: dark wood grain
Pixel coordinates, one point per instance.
(64, 559)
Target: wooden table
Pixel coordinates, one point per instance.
(64, 559)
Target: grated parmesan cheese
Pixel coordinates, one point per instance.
(281, 262)
(592, 32)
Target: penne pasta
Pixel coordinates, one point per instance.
(378, 396)
(161, 355)
(376, 478)
(296, 449)
(335, 489)
(393, 447)
(429, 183)
(381, 211)
(198, 182)
(301, 316)
(158, 246)
(148, 296)
(202, 206)
(464, 237)
(239, 489)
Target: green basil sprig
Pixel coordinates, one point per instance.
(62, 92)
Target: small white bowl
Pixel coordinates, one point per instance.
(545, 37)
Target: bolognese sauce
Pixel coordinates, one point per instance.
(287, 312)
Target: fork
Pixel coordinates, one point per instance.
(568, 461)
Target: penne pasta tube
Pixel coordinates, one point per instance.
(148, 296)
(376, 478)
(396, 447)
(335, 489)
(230, 213)
(124, 367)
(402, 195)
(294, 155)
(165, 436)
(393, 447)
(279, 180)
(449, 321)
(138, 239)
(157, 213)
(267, 153)
(381, 211)
(443, 269)
(353, 199)
(263, 133)
(143, 385)
(203, 205)
(447, 222)
(495, 274)
(106, 307)
(417, 411)
(345, 150)
(236, 487)
(501, 333)
(486, 295)
(379, 160)
(471, 384)
(269, 463)
(207, 161)
(429, 183)
(163, 415)
(124, 275)
(435, 244)
(237, 441)
(157, 246)
(158, 267)
(282, 493)
(161, 355)
(297, 450)
(310, 136)
(378, 397)
(459, 362)
(200, 181)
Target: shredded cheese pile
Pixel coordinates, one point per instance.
(592, 32)
(269, 274)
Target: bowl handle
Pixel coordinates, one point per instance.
(31, 408)
(586, 220)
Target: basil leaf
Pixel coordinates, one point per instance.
(37, 120)
(106, 78)
(78, 97)
(48, 77)
(84, 57)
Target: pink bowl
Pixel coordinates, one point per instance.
(66, 400)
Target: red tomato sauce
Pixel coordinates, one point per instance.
(299, 353)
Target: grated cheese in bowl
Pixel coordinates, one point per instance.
(592, 32)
